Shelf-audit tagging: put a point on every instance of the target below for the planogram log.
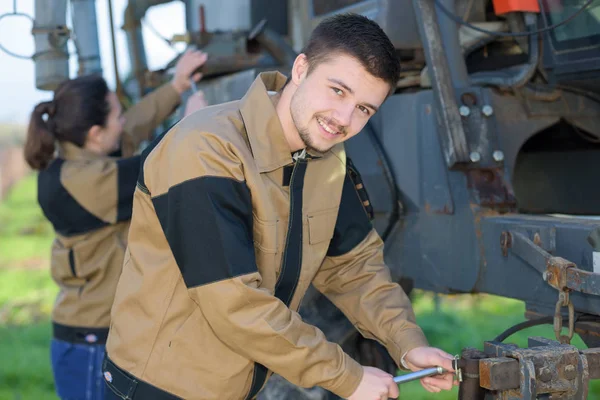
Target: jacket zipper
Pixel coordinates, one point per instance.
(260, 371)
(298, 157)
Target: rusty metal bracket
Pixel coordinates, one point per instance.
(561, 274)
(546, 367)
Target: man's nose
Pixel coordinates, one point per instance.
(343, 115)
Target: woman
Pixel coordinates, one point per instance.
(87, 195)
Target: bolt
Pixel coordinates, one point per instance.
(464, 111)
(487, 110)
(570, 372)
(545, 374)
(475, 156)
(545, 275)
(498, 156)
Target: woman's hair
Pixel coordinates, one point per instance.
(78, 105)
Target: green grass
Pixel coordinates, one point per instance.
(25, 235)
(25, 368)
(27, 294)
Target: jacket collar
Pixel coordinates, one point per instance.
(265, 133)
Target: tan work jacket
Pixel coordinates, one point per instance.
(88, 200)
(228, 232)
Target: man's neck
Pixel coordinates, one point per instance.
(285, 117)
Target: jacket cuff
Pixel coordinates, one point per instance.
(408, 340)
(347, 383)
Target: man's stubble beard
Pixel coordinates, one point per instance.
(304, 132)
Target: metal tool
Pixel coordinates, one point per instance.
(424, 373)
(193, 85)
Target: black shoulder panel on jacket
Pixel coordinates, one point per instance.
(353, 221)
(208, 224)
(65, 214)
(128, 170)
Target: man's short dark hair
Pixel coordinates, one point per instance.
(356, 36)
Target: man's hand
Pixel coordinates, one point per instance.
(194, 103)
(187, 64)
(426, 357)
(375, 385)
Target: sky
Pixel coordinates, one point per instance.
(18, 94)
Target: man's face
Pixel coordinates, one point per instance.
(334, 101)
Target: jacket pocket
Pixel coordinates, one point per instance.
(62, 266)
(321, 225)
(264, 235)
(94, 255)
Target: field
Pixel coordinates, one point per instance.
(27, 293)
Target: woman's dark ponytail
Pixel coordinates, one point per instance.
(39, 146)
(78, 105)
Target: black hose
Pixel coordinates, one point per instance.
(540, 321)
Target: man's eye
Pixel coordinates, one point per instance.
(337, 91)
(364, 110)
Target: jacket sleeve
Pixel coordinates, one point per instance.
(355, 278)
(142, 118)
(208, 223)
(104, 187)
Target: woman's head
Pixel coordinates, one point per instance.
(83, 112)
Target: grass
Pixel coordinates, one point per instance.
(27, 293)
(25, 235)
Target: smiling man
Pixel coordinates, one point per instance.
(238, 209)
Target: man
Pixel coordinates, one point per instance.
(239, 208)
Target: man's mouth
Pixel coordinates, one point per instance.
(328, 128)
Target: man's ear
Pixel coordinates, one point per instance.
(299, 69)
(94, 135)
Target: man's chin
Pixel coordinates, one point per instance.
(320, 149)
(319, 146)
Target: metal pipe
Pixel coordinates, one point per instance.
(87, 45)
(424, 373)
(274, 44)
(119, 86)
(134, 12)
(51, 56)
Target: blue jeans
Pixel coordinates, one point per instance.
(77, 370)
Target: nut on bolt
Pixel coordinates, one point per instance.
(570, 372)
(464, 111)
(487, 110)
(498, 156)
(475, 156)
(545, 374)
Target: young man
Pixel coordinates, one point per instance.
(239, 208)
